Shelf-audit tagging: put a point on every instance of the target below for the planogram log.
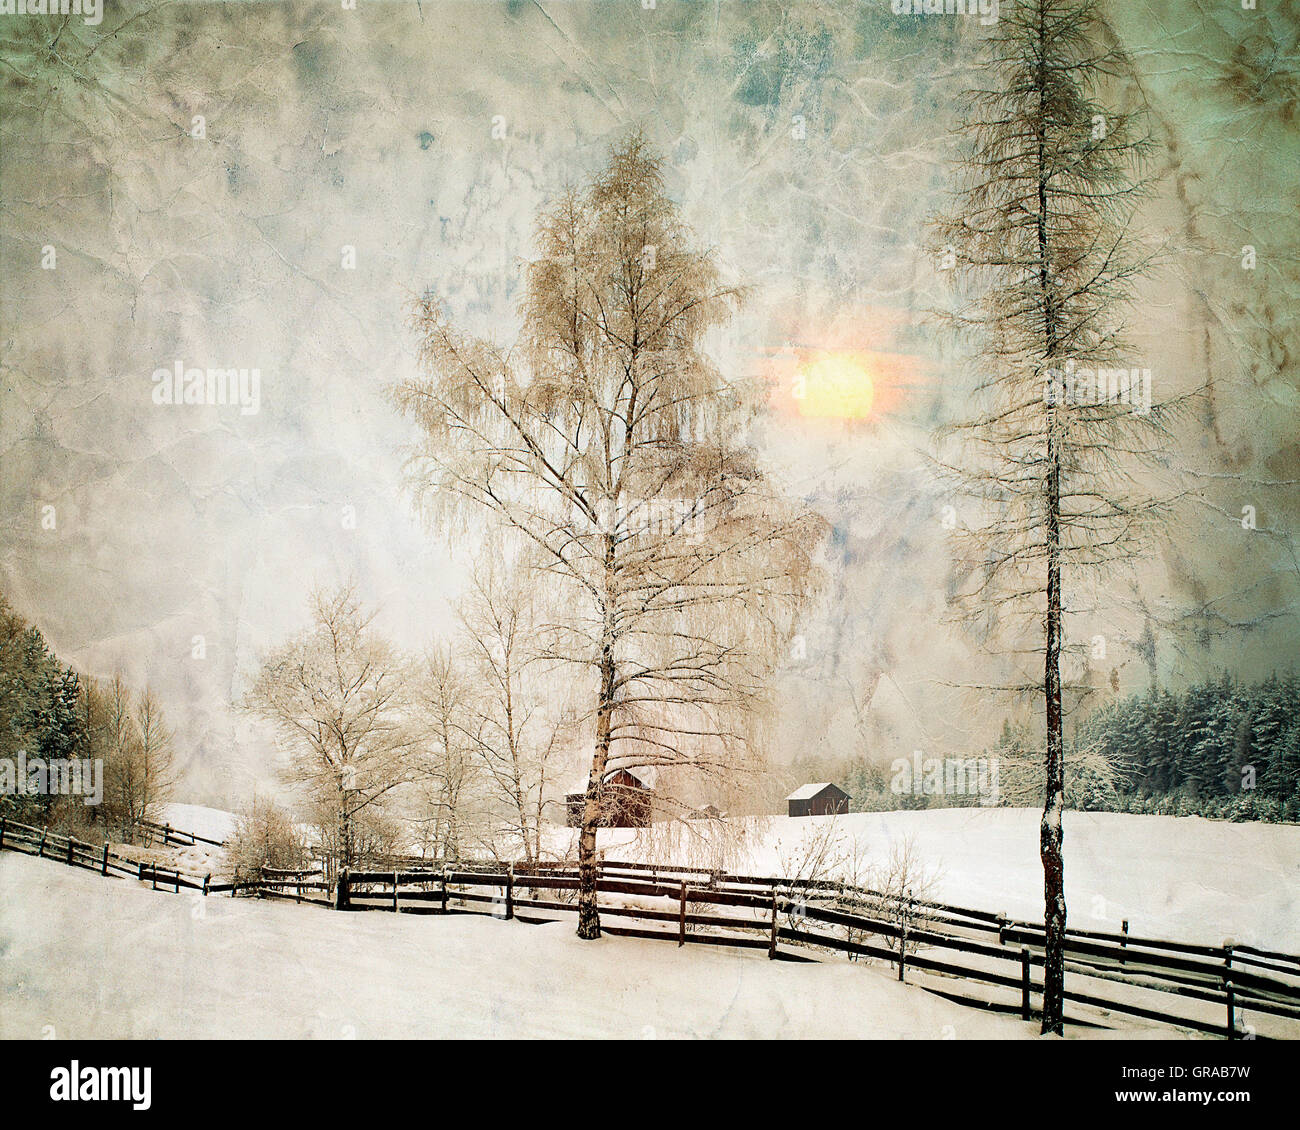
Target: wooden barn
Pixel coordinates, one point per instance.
(822, 799)
(625, 802)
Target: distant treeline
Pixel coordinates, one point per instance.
(1219, 749)
(49, 713)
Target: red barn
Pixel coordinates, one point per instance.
(625, 802)
(823, 799)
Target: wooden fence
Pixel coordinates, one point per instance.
(761, 912)
(152, 833)
(77, 853)
(793, 920)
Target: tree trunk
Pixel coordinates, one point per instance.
(345, 832)
(588, 913)
(1051, 831)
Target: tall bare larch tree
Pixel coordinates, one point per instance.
(1052, 177)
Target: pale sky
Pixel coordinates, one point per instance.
(200, 169)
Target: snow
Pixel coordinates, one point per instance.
(807, 792)
(211, 823)
(1178, 878)
(86, 957)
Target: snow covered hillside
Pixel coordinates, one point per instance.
(1181, 878)
(83, 957)
(210, 823)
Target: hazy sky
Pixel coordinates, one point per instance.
(200, 170)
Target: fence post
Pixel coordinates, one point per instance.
(178, 881)
(902, 938)
(206, 879)
(510, 891)
(681, 919)
(167, 835)
(69, 851)
(103, 869)
(1025, 1010)
(341, 894)
(2, 833)
(41, 852)
(771, 942)
(1123, 942)
(1232, 1010)
(394, 892)
(1002, 929)
(444, 890)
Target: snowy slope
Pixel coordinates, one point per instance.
(88, 957)
(1181, 878)
(211, 823)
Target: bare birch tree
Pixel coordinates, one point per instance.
(120, 746)
(1052, 178)
(333, 694)
(514, 724)
(139, 759)
(157, 770)
(445, 774)
(614, 449)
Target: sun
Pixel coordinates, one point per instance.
(836, 386)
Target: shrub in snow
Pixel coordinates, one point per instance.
(264, 836)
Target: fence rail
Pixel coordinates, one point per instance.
(77, 853)
(153, 831)
(762, 912)
(1105, 961)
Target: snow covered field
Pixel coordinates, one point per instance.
(1180, 878)
(210, 823)
(82, 956)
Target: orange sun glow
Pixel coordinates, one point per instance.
(836, 385)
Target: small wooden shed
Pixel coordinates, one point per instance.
(625, 802)
(708, 812)
(820, 799)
